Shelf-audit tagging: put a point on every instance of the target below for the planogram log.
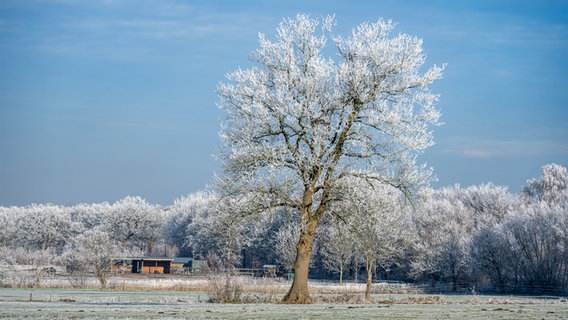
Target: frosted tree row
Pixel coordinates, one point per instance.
(454, 238)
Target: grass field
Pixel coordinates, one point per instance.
(140, 304)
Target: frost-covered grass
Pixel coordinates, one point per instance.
(91, 296)
(78, 310)
(150, 304)
(202, 284)
(121, 282)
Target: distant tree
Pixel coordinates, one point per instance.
(200, 233)
(230, 230)
(551, 188)
(299, 123)
(377, 224)
(38, 262)
(43, 227)
(8, 231)
(537, 244)
(264, 247)
(492, 257)
(89, 216)
(91, 252)
(286, 237)
(337, 247)
(489, 206)
(134, 223)
(537, 235)
(180, 218)
(443, 229)
(222, 230)
(456, 231)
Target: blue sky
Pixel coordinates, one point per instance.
(100, 99)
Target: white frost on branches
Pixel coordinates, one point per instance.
(300, 118)
(298, 122)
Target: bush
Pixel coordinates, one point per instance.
(222, 290)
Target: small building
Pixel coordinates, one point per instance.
(181, 265)
(151, 265)
(158, 265)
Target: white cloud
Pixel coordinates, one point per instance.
(486, 148)
(127, 29)
(480, 154)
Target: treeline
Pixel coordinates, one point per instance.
(476, 238)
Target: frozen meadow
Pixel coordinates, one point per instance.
(52, 303)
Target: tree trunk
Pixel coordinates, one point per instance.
(370, 265)
(101, 275)
(299, 292)
(228, 265)
(340, 273)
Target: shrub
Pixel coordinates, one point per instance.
(222, 290)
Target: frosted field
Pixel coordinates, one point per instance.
(114, 304)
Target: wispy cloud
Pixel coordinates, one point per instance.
(129, 29)
(476, 153)
(486, 148)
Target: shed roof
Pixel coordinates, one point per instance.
(174, 260)
(181, 260)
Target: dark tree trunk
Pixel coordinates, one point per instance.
(299, 292)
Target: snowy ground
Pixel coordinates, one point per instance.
(119, 304)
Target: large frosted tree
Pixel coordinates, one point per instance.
(297, 122)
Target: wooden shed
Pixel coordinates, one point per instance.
(158, 265)
(151, 265)
(181, 262)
